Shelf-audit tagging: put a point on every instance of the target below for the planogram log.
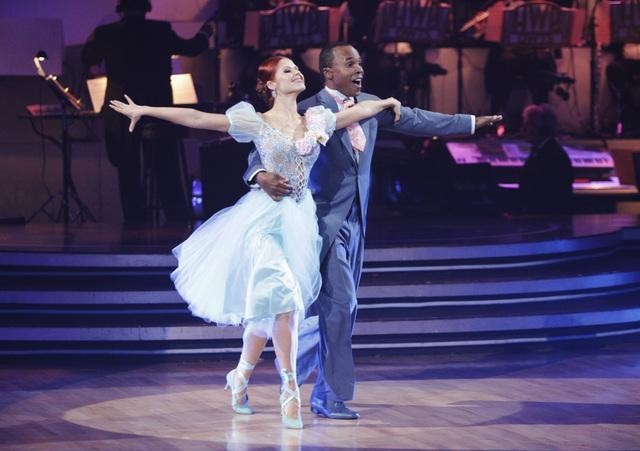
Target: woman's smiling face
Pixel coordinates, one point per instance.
(287, 78)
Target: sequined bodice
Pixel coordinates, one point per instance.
(290, 158)
(278, 154)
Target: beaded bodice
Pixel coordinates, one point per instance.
(289, 157)
(278, 155)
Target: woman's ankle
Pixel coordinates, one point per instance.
(244, 369)
(290, 393)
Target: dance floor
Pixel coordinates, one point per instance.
(576, 395)
(570, 399)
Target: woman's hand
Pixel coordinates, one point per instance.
(394, 104)
(129, 109)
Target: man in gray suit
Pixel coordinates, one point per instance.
(340, 182)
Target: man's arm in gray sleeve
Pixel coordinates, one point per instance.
(419, 122)
(253, 168)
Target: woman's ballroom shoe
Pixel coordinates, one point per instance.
(289, 395)
(239, 397)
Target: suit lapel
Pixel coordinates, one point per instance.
(344, 137)
(325, 99)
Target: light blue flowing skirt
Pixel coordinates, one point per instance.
(251, 261)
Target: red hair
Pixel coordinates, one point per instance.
(266, 72)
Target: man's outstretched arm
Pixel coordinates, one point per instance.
(419, 122)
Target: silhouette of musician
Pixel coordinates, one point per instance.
(137, 55)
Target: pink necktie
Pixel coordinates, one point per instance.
(356, 134)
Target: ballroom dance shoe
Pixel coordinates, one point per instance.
(239, 397)
(290, 395)
(335, 410)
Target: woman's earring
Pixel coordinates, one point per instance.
(273, 93)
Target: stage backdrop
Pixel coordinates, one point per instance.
(24, 169)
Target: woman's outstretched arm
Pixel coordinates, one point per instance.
(366, 109)
(182, 116)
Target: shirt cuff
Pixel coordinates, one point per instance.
(473, 123)
(253, 176)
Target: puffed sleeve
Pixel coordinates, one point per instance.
(322, 118)
(244, 122)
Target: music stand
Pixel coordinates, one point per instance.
(423, 24)
(294, 25)
(428, 24)
(66, 100)
(536, 24)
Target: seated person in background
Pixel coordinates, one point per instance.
(546, 181)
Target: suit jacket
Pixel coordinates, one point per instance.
(338, 179)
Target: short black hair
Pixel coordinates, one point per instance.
(133, 6)
(326, 54)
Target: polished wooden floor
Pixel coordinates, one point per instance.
(569, 399)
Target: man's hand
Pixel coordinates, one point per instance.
(274, 185)
(481, 121)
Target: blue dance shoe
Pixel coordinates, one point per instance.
(239, 397)
(335, 410)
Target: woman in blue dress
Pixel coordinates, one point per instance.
(257, 263)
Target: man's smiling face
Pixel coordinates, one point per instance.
(346, 73)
